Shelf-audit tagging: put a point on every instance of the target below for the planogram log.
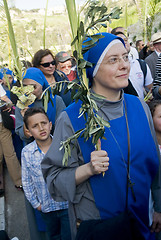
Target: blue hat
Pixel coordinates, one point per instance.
(1, 75)
(97, 53)
(7, 71)
(37, 75)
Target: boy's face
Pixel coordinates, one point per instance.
(39, 127)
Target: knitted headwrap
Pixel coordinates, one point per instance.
(37, 75)
(97, 53)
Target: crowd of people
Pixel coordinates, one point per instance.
(109, 192)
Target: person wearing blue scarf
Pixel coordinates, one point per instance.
(34, 76)
(113, 184)
(8, 80)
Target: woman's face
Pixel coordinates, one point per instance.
(113, 72)
(47, 71)
(37, 87)
(157, 119)
(9, 79)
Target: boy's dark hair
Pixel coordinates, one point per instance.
(118, 33)
(115, 30)
(153, 104)
(32, 111)
(39, 55)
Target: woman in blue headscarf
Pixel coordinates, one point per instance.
(8, 80)
(36, 78)
(130, 171)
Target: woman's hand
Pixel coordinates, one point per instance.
(23, 111)
(156, 225)
(99, 162)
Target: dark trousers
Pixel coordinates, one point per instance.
(57, 224)
(4, 235)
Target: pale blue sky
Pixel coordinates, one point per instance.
(32, 4)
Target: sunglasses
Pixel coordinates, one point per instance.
(47, 64)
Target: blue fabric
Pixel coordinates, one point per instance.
(7, 71)
(37, 75)
(18, 144)
(110, 191)
(51, 110)
(39, 221)
(57, 225)
(94, 53)
(1, 75)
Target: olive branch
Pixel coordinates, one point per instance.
(96, 18)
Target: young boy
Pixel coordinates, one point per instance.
(55, 214)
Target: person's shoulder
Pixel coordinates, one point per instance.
(60, 102)
(58, 98)
(59, 75)
(152, 55)
(29, 147)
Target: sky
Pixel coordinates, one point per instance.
(34, 4)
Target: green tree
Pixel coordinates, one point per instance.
(147, 9)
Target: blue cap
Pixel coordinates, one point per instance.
(98, 52)
(37, 75)
(6, 71)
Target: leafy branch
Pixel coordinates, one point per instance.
(96, 17)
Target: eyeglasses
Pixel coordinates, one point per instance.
(114, 60)
(47, 64)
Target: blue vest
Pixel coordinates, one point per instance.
(110, 191)
(51, 110)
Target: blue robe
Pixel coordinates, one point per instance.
(110, 191)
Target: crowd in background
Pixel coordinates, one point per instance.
(23, 148)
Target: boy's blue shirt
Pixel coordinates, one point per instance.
(33, 182)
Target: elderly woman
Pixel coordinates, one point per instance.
(45, 61)
(130, 172)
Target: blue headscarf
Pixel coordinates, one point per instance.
(7, 71)
(97, 53)
(37, 75)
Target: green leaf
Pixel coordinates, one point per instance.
(104, 25)
(46, 100)
(74, 41)
(82, 28)
(94, 131)
(75, 54)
